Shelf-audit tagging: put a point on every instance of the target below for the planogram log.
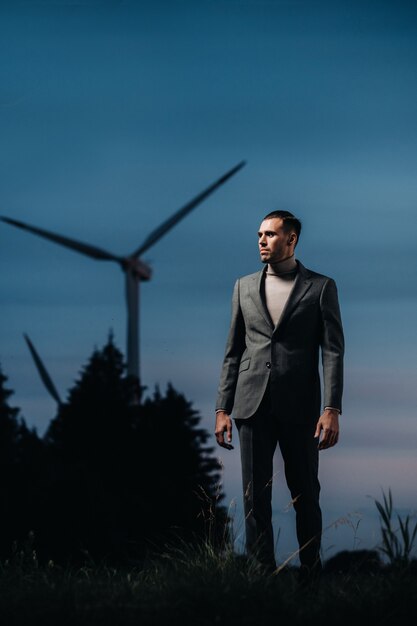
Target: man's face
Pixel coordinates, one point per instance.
(274, 244)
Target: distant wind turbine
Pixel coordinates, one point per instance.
(134, 268)
(43, 373)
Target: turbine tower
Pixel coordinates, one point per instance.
(134, 268)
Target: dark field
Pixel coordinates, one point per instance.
(197, 586)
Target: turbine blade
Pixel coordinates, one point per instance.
(46, 379)
(84, 248)
(178, 215)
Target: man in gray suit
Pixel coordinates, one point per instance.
(282, 318)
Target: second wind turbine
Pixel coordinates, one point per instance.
(134, 268)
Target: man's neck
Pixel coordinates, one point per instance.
(289, 264)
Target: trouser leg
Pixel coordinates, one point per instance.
(301, 461)
(257, 446)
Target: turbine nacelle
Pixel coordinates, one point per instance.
(136, 267)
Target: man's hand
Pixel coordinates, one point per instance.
(328, 424)
(223, 425)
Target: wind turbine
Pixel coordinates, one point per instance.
(134, 268)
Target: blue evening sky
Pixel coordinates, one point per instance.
(114, 114)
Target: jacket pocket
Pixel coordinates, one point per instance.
(244, 365)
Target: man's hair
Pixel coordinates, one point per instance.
(290, 222)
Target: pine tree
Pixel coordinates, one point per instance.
(20, 452)
(122, 478)
(183, 483)
(9, 426)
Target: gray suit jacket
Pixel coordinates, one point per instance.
(287, 355)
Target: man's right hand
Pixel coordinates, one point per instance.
(223, 425)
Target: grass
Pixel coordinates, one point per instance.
(196, 586)
(397, 543)
(202, 586)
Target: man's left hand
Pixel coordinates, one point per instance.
(328, 426)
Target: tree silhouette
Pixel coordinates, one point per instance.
(183, 476)
(123, 479)
(20, 456)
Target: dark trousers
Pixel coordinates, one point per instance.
(259, 436)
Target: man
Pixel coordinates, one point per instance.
(282, 317)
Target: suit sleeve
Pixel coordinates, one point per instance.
(332, 346)
(235, 347)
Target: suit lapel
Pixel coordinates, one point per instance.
(301, 286)
(256, 296)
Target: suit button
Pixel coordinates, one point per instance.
(268, 364)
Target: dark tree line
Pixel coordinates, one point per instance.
(108, 479)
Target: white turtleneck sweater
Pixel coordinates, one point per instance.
(279, 282)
